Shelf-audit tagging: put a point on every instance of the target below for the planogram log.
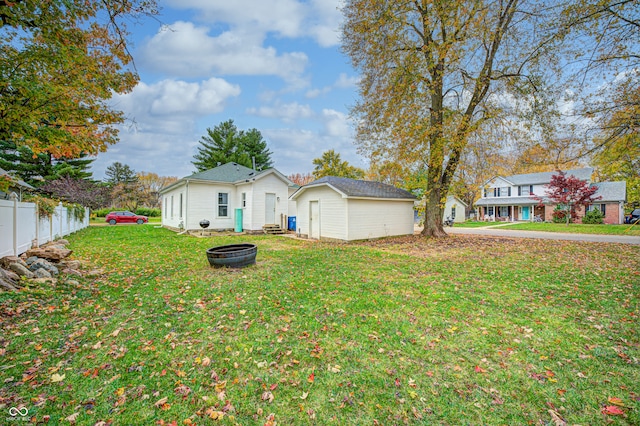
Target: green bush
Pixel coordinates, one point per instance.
(560, 216)
(149, 212)
(593, 217)
(101, 212)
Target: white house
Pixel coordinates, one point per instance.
(347, 209)
(455, 209)
(220, 195)
(517, 197)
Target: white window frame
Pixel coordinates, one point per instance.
(244, 200)
(221, 204)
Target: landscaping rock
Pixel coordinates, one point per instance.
(62, 242)
(43, 264)
(10, 275)
(6, 285)
(49, 252)
(72, 264)
(42, 273)
(74, 272)
(21, 270)
(30, 260)
(6, 261)
(44, 281)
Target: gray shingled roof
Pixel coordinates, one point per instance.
(363, 188)
(229, 172)
(18, 181)
(545, 177)
(611, 191)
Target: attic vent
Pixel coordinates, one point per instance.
(251, 174)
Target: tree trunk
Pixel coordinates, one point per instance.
(433, 215)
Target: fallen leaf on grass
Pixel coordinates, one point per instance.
(557, 418)
(334, 368)
(612, 410)
(479, 369)
(206, 361)
(267, 396)
(72, 418)
(616, 401)
(57, 378)
(311, 378)
(161, 401)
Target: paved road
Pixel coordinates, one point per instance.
(502, 232)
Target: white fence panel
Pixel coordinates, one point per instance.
(6, 227)
(21, 229)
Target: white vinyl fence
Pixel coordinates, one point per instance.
(21, 228)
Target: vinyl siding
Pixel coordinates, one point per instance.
(333, 212)
(379, 218)
(268, 184)
(203, 204)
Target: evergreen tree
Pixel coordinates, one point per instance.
(119, 173)
(225, 143)
(77, 168)
(21, 162)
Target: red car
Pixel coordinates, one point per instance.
(125, 217)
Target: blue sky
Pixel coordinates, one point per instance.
(271, 65)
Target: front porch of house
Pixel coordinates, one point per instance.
(512, 213)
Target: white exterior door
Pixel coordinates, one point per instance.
(270, 209)
(314, 220)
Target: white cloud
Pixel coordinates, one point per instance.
(169, 104)
(187, 50)
(318, 19)
(288, 113)
(336, 124)
(343, 82)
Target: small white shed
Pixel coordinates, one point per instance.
(455, 209)
(347, 209)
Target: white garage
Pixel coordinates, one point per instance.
(347, 209)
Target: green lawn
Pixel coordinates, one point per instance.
(469, 330)
(578, 228)
(472, 224)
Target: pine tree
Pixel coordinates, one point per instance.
(225, 143)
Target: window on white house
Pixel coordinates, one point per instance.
(525, 191)
(244, 200)
(490, 211)
(504, 191)
(181, 205)
(172, 206)
(223, 204)
(504, 211)
(453, 212)
(166, 207)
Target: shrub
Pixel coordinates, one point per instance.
(593, 217)
(560, 216)
(101, 212)
(146, 211)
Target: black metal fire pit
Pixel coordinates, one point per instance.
(232, 255)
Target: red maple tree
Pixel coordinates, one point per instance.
(569, 192)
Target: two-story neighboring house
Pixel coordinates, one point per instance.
(512, 198)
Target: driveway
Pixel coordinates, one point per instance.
(503, 232)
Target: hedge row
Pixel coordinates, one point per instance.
(144, 211)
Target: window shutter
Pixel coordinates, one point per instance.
(495, 192)
(519, 191)
(509, 192)
(485, 192)
(530, 189)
